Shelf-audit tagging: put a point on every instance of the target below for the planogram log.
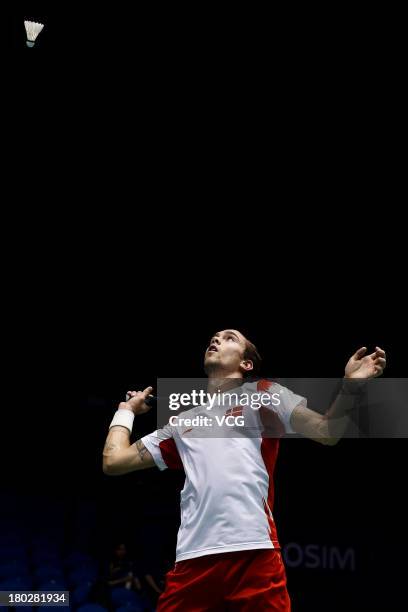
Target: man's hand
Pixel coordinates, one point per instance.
(137, 402)
(361, 365)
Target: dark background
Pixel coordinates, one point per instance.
(180, 172)
(348, 496)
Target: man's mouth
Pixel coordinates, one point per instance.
(213, 349)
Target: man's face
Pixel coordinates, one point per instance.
(225, 352)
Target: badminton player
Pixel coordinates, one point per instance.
(228, 554)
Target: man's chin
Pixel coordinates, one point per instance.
(210, 365)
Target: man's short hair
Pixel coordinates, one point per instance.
(251, 353)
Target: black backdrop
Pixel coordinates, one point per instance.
(208, 207)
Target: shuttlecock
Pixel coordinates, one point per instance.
(33, 29)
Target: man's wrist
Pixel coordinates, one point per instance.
(353, 386)
(123, 417)
(125, 406)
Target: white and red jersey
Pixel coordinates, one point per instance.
(227, 499)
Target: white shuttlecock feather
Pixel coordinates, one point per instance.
(33, 29)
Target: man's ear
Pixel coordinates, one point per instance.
(247, 365)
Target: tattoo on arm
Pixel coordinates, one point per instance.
(110, 447)
(117, 436)
(142, 450)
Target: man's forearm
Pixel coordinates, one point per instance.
(338, 418)
(119, 456)
(117, 439)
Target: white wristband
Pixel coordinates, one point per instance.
(123, 417)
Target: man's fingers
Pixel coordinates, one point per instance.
(361, 351)
(130, 394)
(378, 353)
(147, 392)
(380, 361)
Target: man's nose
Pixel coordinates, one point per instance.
(215, 340)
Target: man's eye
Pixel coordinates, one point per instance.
(231, 338)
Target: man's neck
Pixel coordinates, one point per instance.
(218, 382)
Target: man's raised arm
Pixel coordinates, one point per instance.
(330, 427)
(119, 456)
